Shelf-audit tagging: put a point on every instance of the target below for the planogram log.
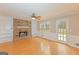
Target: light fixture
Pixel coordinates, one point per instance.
(35, 17)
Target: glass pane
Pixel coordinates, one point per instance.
(62, 34)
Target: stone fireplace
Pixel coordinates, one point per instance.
(23, 34)
(22, 29)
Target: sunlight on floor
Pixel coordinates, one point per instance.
(45, 48)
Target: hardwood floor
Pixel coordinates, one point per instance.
(37, 46)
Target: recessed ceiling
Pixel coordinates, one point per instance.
(45, 10)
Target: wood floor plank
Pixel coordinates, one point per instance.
(37, 46)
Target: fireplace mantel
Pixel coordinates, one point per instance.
(23, 27)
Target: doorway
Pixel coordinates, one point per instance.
(62, 28)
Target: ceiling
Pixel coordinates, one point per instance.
(45, 10)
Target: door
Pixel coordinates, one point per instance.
(62, 28)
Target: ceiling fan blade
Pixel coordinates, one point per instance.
(38, 17)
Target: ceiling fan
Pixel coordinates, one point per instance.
(35, 17)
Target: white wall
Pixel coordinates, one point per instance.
(6, 29)
(72, 40)
(34, 28)
(53, 34)
(74, 30)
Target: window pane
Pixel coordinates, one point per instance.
(62, 34)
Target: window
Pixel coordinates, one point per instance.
(45, 26)
(62, 31)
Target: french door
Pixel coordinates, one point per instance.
(62, 28)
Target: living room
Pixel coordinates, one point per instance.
(39, 28)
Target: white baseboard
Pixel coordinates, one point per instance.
(72, 39)
(6, 38)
